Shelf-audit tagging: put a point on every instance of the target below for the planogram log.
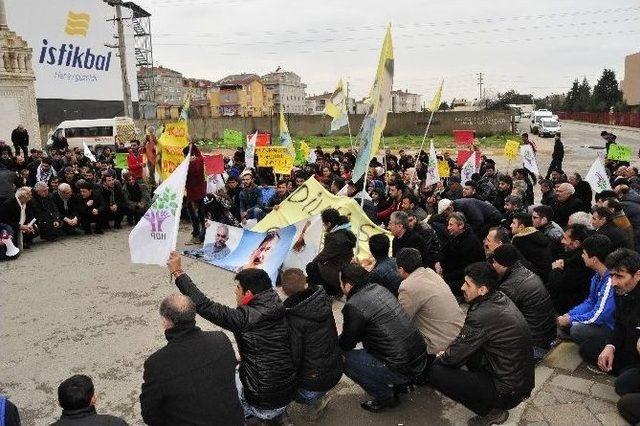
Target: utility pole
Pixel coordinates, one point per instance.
(122, 52)
(480, 75)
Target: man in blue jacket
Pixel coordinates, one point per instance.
(594, 318)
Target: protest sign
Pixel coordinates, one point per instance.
(275, 156)
(311, 199)
(619, 152)
(173, 139)
(443, 169)
(213, 164)
(233, 138)
(511, 149)
(463, 137)
(121, 160)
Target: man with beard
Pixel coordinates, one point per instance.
(137, 198)
(505, 186)
(461, 249)
(44, 211)
(116, 203)
(67, 203)
(92, 208)
(218, 249)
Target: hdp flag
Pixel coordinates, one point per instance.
(285, 137)
(433, 175)
(336, 108)
(435, 102)
(368, 138)
(250, 152)
(597, 177)
(468, 168)
(529, 159)
(87, 152)
(155, 236)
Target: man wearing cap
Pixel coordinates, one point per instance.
(527, 291)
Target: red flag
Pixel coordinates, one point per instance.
(213, 164)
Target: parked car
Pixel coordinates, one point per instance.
(536, 116)
(548, 127)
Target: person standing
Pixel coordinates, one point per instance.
(557, 156)
(192, 379)
(494, 344)
(196, 191)
(20, 140)
(135, 162)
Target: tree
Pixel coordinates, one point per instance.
(572, 96)
(583, 100)
(606, 93)
(510, 97)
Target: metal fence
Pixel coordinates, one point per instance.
(631, 119)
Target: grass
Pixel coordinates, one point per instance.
(411, 142)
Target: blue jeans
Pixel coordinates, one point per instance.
(371, 374)
(580, 333)
(308, 397)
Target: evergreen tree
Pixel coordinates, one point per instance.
(606, 93)
(583, 100)
(572, 96)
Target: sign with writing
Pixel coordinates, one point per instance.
(511, 149)
(172, 141)
(443, 169)
(619, 152)
(233, 137)
(275, 156)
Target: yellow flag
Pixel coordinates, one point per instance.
(435, 103)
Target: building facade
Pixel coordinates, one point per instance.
(630, 86)
(200, 98)
(288, 90)
(168, 90)
(403, 101)
(315, 104)
(242, 95)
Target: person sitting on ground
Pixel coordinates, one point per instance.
(496, 237)
(548, 193)
(620, 219)
(265, 377)
(396, 189)
(431, 240)
(532, 244)
(77, 397)
(569, 279)
(620, 354)
(137, 198)
(281, 193)
(590, 323)
(314, 341)
(385, 270)
(512, 205)
(67, 204)
(410, 203)
(339, 242)
(9, 415)
(393, 353)
(527, 291)
(428, 302)
(13, 212)
(404, 236)
(116, 204)
(602, 221)
(44, 211)
(92, 208)
(567, 203)
(191, 379)
(542, 220)
(494, 344)
(250, 199)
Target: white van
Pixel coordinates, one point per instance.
(95, 133)
(536, 116)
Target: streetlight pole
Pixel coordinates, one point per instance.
(122, 52)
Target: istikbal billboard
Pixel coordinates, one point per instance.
(68, 38)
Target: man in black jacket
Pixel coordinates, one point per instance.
(394, 352)
(77, 397)
(569, 279)
(192, 379)
(44, 211)
(92, 208)
(495, 345)
(20, 140)
(385, 270)
(567, 203)
(314, 341)
(266, 376)
(557, 156)
(67, 204)
(602, 221)
(405, 237)
(116, 204)
(534, 246)
(431, 240)
(527, 291)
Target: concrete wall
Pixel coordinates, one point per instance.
(412, 123)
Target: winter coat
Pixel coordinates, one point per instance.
(432, 242)
(549, 199)
(249, 198)
(410, 239)
(600, 305)
(336, 252)
(191, 380)
(266, 370)
(558, 151)
(583, 192)
(374, 317)
(98, 203)
(480, 215)
(571, 205)
(486, 190)
(626, 330)
(535, 247)
(458, 252)
(428, 302)
(115, 196)
(616, 235)
(196, 183)
(527, 291)
(314, 340)
(87, 417)
(20, 137)
(496, 330)
(8, 182)
(555, 234)
(44, 210)
(134, 194)
(570, 285)
(385, 273)
(622, 222)
(631, 207)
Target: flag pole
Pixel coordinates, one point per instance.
(346, 105)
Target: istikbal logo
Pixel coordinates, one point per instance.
(68, 55)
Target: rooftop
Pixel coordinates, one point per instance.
(237, 79)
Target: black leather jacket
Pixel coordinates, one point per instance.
(374, 317)
(496, 329)
(527, 291)
(262, 333)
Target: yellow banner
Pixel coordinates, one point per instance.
(172, 141)
(311, 199)
(511, 149)
(275, 156)
(443, 169)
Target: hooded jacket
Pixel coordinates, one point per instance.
(527, 292)
(314, 339)
(337, 251)
(534, 247)
(266, 370)
(600, 305)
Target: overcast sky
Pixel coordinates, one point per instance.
(535, 46)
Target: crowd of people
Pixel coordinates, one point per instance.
(530, 274)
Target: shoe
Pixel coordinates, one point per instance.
(318, 409)
(378, 406)
(402, 389)
(495, 417)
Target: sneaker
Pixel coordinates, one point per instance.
(495, 417)
(378, 406)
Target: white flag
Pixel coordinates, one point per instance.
(468, 168)
(88, 153)
(251, 150)
(433, 175)
(597, 177)
(155, 236)
(529, 159)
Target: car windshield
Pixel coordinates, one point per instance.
(550, 123)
